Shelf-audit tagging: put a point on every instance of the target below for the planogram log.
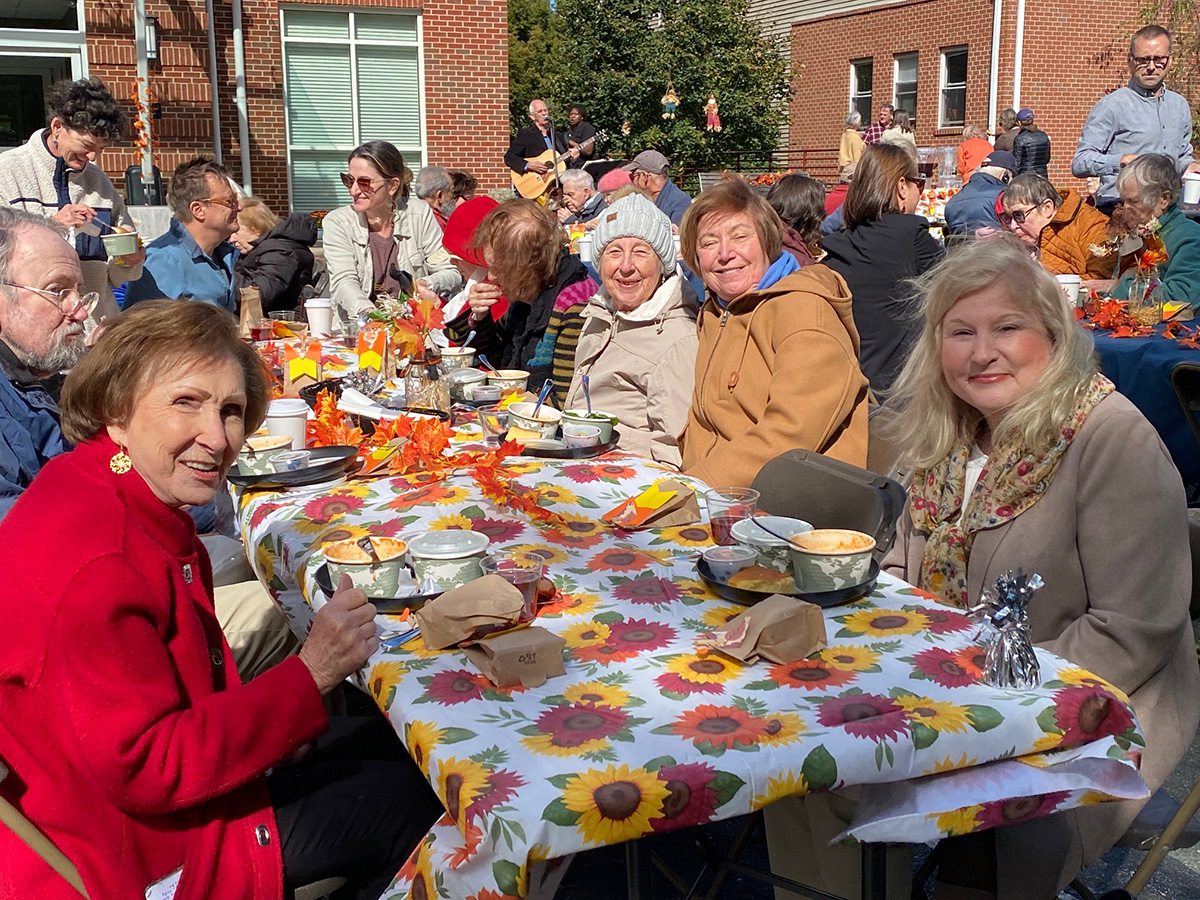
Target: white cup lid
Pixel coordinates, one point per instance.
(318, 303)
(287, 407)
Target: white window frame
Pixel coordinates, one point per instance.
(414, 157)
(45, 42)
(855, 93)
(944, 85)
(896, 81)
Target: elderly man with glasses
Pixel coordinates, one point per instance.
(1142, 117)
(194, 260)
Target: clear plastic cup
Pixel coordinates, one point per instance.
(494, 422)
(727, 507)
(522, 570)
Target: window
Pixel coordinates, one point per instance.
(349, 77)
(905, 90)
(953, 109)
(860, 88)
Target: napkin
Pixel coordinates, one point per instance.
(466, 613)
(526, 657)
(780, 628)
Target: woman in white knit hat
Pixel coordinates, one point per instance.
(638, 344)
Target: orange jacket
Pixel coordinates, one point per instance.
(1066, 238)
(776, 370)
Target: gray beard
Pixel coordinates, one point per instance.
(67, 349)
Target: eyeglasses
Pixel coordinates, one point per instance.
(87, 302)
(365, 184)
(1145, 62)
(1017, 215)
(231, 203)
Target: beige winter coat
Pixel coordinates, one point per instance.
(641, 367)
(1109, 537)
(419, 252)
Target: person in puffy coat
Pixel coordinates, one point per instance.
(276, 255)
(1031, 146)
(1057, 227)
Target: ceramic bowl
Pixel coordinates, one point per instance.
(830, 559)
(458, 357)
(121, 243)
(450, 558)
(546, 424)
(509, 379)
(347, 558)
(266, 447)
(773, 552)
(602, 420)
(725, 562)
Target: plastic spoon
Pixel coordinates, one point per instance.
(770, 531)
(470, 337)
(542, 395)
(587, 395)
(366, 544)
(483, 360)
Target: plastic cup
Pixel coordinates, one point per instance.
(288, 417)
(727, 507)
(581, 435)
(1191, 188)
(494, 422)
(1070, 285)
(319, 312)
(522, 570)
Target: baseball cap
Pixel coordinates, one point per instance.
(1001, 159)
(1024, 114)
(648, 161)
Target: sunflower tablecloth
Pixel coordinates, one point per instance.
(643, 735)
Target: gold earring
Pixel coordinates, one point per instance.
(120, 463)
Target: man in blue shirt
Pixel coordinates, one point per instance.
(649, 172)
(194, 259)
(974, 206)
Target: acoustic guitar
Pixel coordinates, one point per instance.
(531, 185)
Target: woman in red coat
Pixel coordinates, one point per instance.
(134, 745)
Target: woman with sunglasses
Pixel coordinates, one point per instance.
(882, 245)
(1057, 227)
(380, 235)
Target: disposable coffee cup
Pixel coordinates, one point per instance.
(1191, 188)
(288, 417)
(585, 248)
(319, 311)
(1070, 285)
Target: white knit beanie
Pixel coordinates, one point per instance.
(635, 216)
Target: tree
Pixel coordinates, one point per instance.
(536, 44)
(616, 57)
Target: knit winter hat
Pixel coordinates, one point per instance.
(635, 216)
(613, 180)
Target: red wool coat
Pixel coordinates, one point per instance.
(133, 744)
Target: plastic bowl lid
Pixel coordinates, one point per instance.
(730, 554)
(450, 544)
(747, 532)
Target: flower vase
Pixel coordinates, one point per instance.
(1145, 299)
(425, 385)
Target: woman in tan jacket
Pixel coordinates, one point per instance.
(1057, 227)
(777, 366)
(638, 344)
(1003, 405)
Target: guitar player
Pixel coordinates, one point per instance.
(534, 140)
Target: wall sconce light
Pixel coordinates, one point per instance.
(151, 37)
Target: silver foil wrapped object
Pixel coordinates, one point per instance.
(1004, 629)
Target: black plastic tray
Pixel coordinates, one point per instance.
(324, 463)
(383, 604)
(575, 452)
(823, 599)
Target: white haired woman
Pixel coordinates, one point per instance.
(1024, 456)
(638, 343)
(852, 143)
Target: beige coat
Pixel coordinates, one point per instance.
(641, 367)
(1109, 537)
(419, 252)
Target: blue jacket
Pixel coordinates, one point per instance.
(975, 205)
(176, 268)
(29, 430)
(672, 201)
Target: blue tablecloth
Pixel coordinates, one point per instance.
(1141, 370)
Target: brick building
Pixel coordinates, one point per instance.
(430, 77)
(935, 58)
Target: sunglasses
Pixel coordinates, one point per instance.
(1017, 215)
(1145, 62)
(919, 182)
(366, 185)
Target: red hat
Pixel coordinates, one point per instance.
(461, 227)
(613, 180)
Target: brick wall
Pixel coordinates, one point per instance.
(1073, 54)
(466, 84)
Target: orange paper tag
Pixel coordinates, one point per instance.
(372, 345)
(301, 366)
(635, 511)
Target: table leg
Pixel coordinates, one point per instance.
(874, 871)
(637, 870)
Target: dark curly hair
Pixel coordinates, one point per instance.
(86, 105)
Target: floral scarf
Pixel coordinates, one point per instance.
(1013, 479)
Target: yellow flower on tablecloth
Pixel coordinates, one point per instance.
(1092, 798)
(884, 622)
(353, 489)
(715, 669)
(549, 555)
(950, 765)
(450, 521)
(694, 587)
(687, 535)
(1049, 741)
(264, 560)
(1084, 678)
(451, 496)
(957, 821)
(578, 603)
(544, 744)
(459, 782)
(384, 677)
(422, 877)
(416, 647)
(304, 525)
(421, 737)
(597, 693)
(575, 531)
(523, 467)
(789, 784)
(586, 634)
(342, 532)
(940, 715)
(782, 728)
(549, 494)
(615, 803)
(716, 616)
(850, 657)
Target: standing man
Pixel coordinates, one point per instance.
(194, 260)
(649, 172)
(534, 140)
(875, 132)
(1142, 117)
(581, 129)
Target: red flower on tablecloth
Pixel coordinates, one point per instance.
(323, 509)
(392, 526)
(720, 726)
(489, 894)
(1018, 809)
(1087, 713)
(610, 472)
(973, 658)
(626, 640)
(621, 559)
(810, 674)
(692, 674)
(945, 668)
(500, 788)
(865, 715)
(498, 530)
(576, 531)
(691, 799)
(570, 726)
(944, 621)
(259, 515)
(647, 589)
(459, 686)
(430, 493)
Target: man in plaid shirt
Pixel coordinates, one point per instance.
(875, 132)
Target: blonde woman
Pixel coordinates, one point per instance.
(901, 133)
